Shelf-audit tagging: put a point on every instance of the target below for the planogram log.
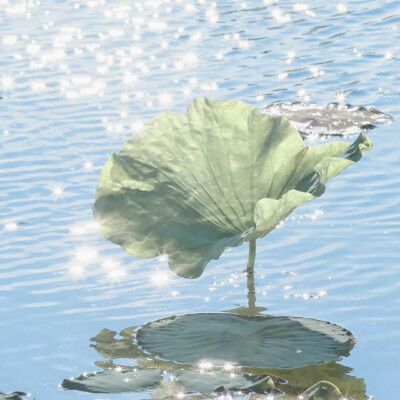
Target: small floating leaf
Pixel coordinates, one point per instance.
(192, 185)
(260, 342)
(115, 382)
(333, 119)
(206, 382)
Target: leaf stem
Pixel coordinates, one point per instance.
(251, 291)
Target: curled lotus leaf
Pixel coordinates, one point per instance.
(258, 342)
(115, 382)
(333, 119)
(192, 185)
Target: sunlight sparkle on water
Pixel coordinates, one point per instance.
(205, 365)
(163, 258)
(291, 55)
(228, 367)
(302, 7)
(83, 228)
(341, 97)
(160, 278)
(115, 272)
(280, 16)
(11, 226)
(341, 8)
(7, 82)
(165, 99)
(388, 55)
(317, 72)
(282, 76)
(88, 165)
(86, 254)
(10, 40)
(77, 271)
(57, 191)
(317, 213)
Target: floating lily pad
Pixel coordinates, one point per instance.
(206, 382)
(322, 391)
(115, 382)
(262, 342)
(333, 120)
(192, 185)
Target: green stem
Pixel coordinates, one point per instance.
(251, 291)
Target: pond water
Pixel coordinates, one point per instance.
(78, 78)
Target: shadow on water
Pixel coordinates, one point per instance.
(241, 351)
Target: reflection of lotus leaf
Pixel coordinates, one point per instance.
(322, 391)
(300, 379)
(115, 382)
(193, 185)
(121, 352)
(260, 342)
(206, 382)
(333, 119)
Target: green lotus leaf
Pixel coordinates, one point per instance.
(322, 391)
(115, 382)
(192, 185)
(259, 342)
(206, 382)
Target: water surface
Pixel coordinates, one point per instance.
(80, 77)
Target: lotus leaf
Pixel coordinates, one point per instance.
(115, 382)
(259, 342)
(333, 119)
(192, 185)
(206, 382)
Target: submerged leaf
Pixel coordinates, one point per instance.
(192, 185)
(115, 382)
(260, 342)
(333, 120)
(206, 382)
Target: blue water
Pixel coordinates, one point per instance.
(80, 77)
